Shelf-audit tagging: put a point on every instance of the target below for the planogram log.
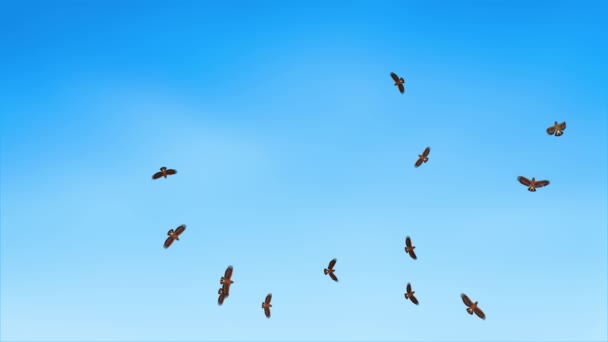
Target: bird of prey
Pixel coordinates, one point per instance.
(557, 129)
(423, 158)
(330, 270)
(174, 235)
(226, 281)
(398, 82)
(266, 305)
(409, 294)
(532, 184)
(409, 249)
(220, 299)
(164, 172)
(472, 307)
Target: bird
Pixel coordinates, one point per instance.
(423, 158)
(409, 249)
(164, 172)
(532, 184)
(266, 305)
(409, 294)
(557, 129)
(330, 270)
(226, 281)
(472, 307)
(174, 235)
(398, 82)
(220, 299)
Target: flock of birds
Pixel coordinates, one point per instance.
(226, 281)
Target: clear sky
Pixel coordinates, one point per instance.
(293, 147)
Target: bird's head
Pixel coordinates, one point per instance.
(163, 168)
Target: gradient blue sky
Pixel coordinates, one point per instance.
(293, 147)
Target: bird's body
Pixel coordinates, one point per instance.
(174, 235)
(472, 307)
(330, 270)
(398, 82)
(266, 305)
(409, 294)
(423, 158)
(163, 173)
(532, 184)
(557, 129)
(226, 281)
(409, 248)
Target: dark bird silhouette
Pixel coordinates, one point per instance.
(423, 158)
(226, 281)
(220, 299)
(266, 305)
(330, 270)
(164, 172)
(398, 82)
(409, 249)
(174, 235)
(409, 294)
(557, 129)
(532, 184)
(472, 307)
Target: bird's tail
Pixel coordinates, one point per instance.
(407, 296)
(470, 311)
(221, 280)
(325, 271)
(262, 305)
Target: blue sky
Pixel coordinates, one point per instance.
(293, 147)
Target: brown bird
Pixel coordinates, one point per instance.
(409, 294)
(409, 249)
(220, 299)
(164, 172)
(557, 129)
(532, 184)
(266, 305)
(226, 281)
(398, 82)
(423, 158)
(472, 307)
(174, 235)
(330, 270)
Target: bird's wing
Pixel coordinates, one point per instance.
(408, 241)
(541, 183)
(220, 299)
(426, 152)
(408, 288)
(157, 175)
(228, 273)
(267, 312)
(523, 180)
(418, 162)
(332, 263)
(394, 77)
(168, 242)
(413, 255)
(562, 126)
(551, 130)
(333, 277)
(268, 298)
(414, 299)
(479, 313)
(171, 171)
(401, 88)
(466, 300)
(179, 230)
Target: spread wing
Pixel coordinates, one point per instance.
(228, 273)
(179, 230)
(401, 88)
(408, 288)
(413, 255)
(408, 241)
(523, 180)
(426, 152)
(562, 126)
(157, 175)
(168, 242)
(466, 300)
(171, 171)
(394, 77)
(332, 263)
(479, 313)
(226, 289)
(267, 312)
(220, 299)
(551, 130)
(419, 162)
(540, 184)
(333, 277)
(414, 299)
(268, 298)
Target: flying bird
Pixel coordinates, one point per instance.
(409, 294)
(532, 184)
(226, 281)
(472, 307)
(409, 249)
(174, 235)
(266, 305)
(398, 82)
(557, 129)
(220, 299)
(330, 270)
(423, 158)
(164, 172)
